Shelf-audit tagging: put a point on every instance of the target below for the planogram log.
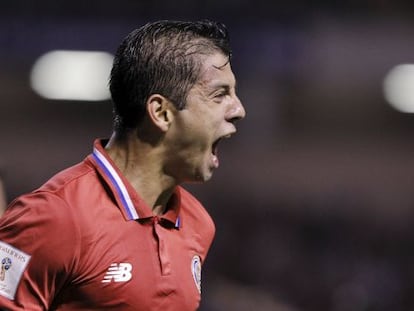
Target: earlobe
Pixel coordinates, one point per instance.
(159, 111)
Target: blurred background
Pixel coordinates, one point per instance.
(314, 198)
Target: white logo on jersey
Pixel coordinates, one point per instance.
(118, 273)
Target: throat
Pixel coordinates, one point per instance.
(158, 210)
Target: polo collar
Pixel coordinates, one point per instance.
(129, 202)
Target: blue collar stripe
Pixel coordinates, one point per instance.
(117, 182)
(177, 222)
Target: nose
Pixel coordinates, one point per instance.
(236, 110)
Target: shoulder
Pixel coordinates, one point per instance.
(69, 177)
(45, 222)
(39, 218)
(52, 203)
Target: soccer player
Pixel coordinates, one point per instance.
(118, 231)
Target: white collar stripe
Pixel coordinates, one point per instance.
(117, 182)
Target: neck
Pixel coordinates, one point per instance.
(141, 163)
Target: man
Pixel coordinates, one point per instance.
(117, 231)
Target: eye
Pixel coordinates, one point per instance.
(219, 96)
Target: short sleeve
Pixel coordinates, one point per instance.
(38, 251)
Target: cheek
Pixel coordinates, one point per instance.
(190, 145)
(196, 131)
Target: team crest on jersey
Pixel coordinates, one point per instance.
(196, 271)
(13, 262)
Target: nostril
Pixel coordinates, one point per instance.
(235, 119)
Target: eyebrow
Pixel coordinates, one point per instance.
(214, 87)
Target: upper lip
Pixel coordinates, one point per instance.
(229, 134)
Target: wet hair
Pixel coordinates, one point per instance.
(163, 57)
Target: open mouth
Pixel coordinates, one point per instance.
(214, 148)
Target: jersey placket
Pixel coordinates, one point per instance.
(167, 285)
(163, 253)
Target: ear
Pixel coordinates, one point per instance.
(160, 112)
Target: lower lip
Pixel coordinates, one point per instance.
(215, 161)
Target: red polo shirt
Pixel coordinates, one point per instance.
(85, 240)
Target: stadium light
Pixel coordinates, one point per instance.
(72, 75)
(399, 88)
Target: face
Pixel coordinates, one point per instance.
(212, 108)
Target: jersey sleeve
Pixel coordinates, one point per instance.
(38, 251)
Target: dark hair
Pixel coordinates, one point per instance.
(161, 57)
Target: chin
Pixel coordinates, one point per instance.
(207, 178)
(201, 177)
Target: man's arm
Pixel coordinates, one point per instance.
(38, 242)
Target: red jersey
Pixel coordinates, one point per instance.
(85, 240)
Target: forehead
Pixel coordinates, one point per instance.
(216, 70)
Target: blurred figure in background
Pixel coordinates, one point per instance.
(3, 199)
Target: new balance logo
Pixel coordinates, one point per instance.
(118, 273)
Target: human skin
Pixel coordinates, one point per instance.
(174, 146)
